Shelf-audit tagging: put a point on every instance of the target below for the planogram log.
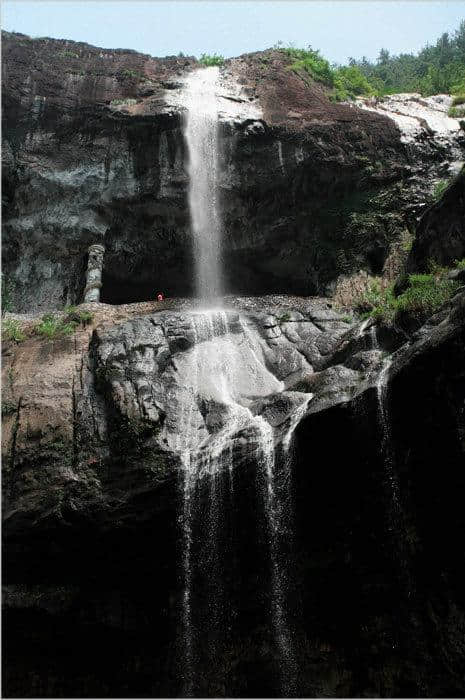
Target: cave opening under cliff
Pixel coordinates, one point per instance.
(143, 282)
(130, 290)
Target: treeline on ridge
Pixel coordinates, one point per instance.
(439, 68)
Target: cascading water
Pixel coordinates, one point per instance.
(201, 135)
(223, 375)
(384, 419)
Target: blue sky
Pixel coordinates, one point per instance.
(231, 27)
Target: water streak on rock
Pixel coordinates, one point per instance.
(382, 389)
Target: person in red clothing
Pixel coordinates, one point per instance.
(160, 296)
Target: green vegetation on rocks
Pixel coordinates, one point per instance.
(457, 112)
(423, 295)
(126, 102)
(439, 68)
(132, 74)
(439, 188)
(13, 331)
(346, 82)
(9, 407)
(73, 315)
(214, 59)
(68, 54)
(52, 327)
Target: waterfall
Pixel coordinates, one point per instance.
(222, 375)
(279, 516)
(201, 136)
(382, 399)
(220, 378)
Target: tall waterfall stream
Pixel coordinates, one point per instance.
(225, 368)
(201, 135)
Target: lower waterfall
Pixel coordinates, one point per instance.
(225, 370)
(395, 516)
(385, 428)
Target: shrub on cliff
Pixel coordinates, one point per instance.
(313, 63)
(214, 59)
(349, 82)
(346, 82)
(425, 294)
(74, 315)
(422, 296)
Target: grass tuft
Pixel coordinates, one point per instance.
(13, 331)
(52, 327)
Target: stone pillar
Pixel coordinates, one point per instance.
(94, 273)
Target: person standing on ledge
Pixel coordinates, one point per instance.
(160, 296)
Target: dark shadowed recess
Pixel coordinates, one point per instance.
(377, 557)
(105, 618)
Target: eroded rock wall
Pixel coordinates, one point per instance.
(94, 153)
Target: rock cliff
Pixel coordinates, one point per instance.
(342, 440)
(92, 465)
(441, 232)
(94, 154)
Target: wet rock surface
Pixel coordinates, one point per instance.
(92, 464)
(116, 395)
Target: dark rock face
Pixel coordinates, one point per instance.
(386, 576)
(96, 426)
(85, 166)
(94, 153)
(440, 234)
(92, 532)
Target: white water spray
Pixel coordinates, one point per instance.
(201, 134)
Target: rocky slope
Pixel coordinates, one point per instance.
(94, 153)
